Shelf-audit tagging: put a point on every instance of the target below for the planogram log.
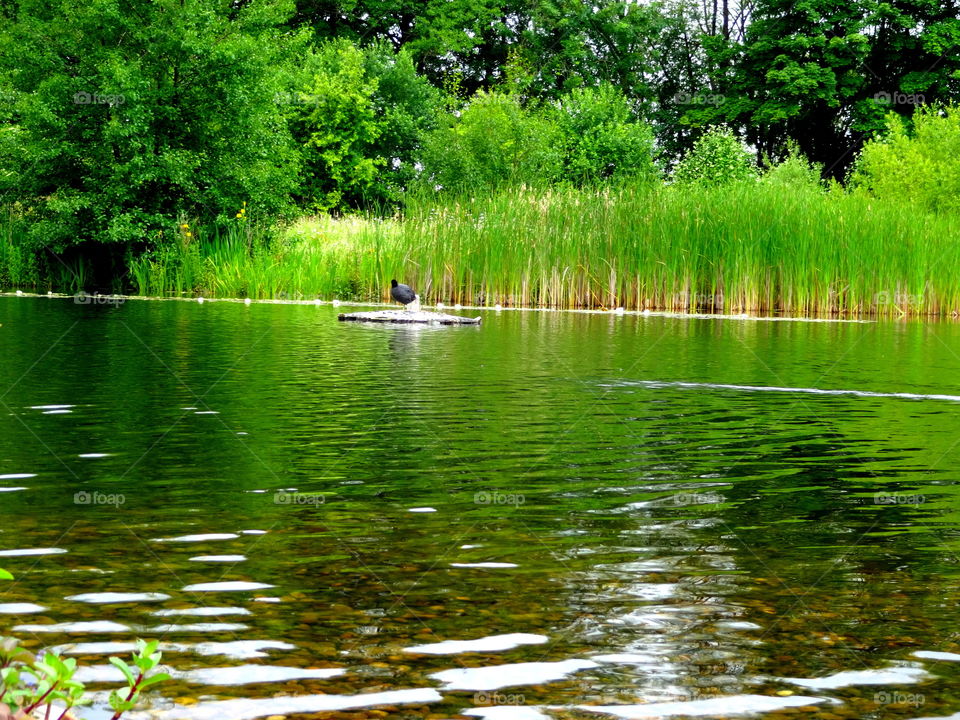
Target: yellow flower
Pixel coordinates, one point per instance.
(239, 214)
(189, 234)
(184, 226)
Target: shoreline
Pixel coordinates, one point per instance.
(115, 299)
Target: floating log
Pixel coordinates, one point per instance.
(407, 316)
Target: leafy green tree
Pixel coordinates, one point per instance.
(918, 165)
(717, 157)
(602, 136)
(123, 118)
(495, 142)
(794, 171)
(825, 74)
(361, 118)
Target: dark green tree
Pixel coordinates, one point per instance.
(124, 116)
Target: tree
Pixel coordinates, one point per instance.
(361, 117)
(495, 142)
(917, 166)
(824, 74)
(125, 118)
(603, 138)
(717, 158)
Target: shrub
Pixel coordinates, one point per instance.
(495, 142)
(603, 137)
(361, 118)
(919, 166)
(716, 158)
(131, 118)
(794, 171)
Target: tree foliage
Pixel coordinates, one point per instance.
(717, 158)
(123, 118)
(919, 164)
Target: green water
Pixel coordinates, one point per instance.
(576, 482)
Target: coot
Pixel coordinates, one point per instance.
(403, 294)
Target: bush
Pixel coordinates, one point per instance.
(794, 171)
(495, 142)
(603, 137)
(361, 118)
(919, 166)
(131, 118)
(717, 158)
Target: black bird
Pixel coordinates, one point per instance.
(403, 294)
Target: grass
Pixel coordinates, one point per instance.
(755, 247)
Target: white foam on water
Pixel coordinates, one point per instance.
(848, 678)
(934, 655)
(105, 598)
(248, 674)
(199, 538)
(17, 476)
(656, 384)
(484, 565)
(627, 658)
(201, 612)
(228, 586)
(92, 627)
(717, 706)
(30, 552)
(51, 407)
(267, 599)
(197, 628)
(12, 489)
(94, 455)
(219, 558)
(57, 412)
(249, 709)
(254, 532)
(501, 676)
(492, 643)
(20, 608)
(422, 510)
(207, 412)
(242, 649)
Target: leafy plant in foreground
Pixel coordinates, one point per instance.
(30, 685)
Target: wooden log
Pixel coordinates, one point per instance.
(407, 316)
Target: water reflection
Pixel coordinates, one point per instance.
(637, 516)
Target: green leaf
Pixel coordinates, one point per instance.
(125, 669)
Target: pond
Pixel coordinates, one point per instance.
(550, 515)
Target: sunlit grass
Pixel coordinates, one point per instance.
(755, 247)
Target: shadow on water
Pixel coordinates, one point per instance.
(549, 515)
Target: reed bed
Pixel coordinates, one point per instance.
(752, 247)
